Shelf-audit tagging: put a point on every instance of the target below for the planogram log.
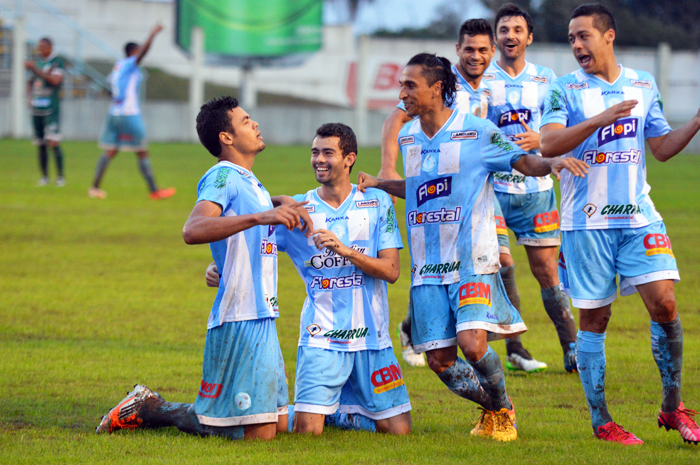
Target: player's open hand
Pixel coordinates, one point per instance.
(156, 29)
(212, 275)
(578, 168)
(287, 215)
(528, 140)
(326, 239)
(365, 180)
(614, 113)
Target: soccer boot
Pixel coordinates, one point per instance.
(60, 181)
(484, 424)
(126, 414)
(511, 412)
(96, 193)
(407, 352)
(503, 425)
(613, 432)
(681, 420)
(570, 359)
(43, 182)
(521, 360)
(162, 193)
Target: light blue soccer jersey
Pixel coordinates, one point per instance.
(615, 193)
(515, 100)
(345, 309)
(247, 261)
(450, 197)
(126, 82)
(467, 99)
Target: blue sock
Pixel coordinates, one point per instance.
(667, 347)
(590, 361)
(461, 379)
(350, 421)
(290, 423)
(490, 373)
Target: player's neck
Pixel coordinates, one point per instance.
(334, 194)
(475, 82)
(237, 158)
(512, 67)
(432, 120)
(609, 71)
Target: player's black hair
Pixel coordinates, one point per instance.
(213, 118)
(346, 137)
(475, 27)
(436, 69)
(130, 47)
(511, 9)
(602, 18)
(47, 40)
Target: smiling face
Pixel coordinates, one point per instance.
(330, 165)
(593, 50)
(416, 94)
(512, 37)
(475, 54)
(246, 138)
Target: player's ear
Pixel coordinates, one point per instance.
(610, 36)
(225, 138)
(349, 159)
(529, 39)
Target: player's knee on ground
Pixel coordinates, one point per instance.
(305, 423)
(400, 424)
(282, 423)
(264, 431)
(440, 360)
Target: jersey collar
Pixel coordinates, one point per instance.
(342, 205)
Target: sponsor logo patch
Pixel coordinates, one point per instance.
(593, 157)
(620, 129)
(548, 221)
(313, 329)
(499, 140)
(443, 215)
(221, 178)
(268, 248)
(338, 282)
(620, 212)
(486, 92)
(562, 262)
(638, 83)
(374, 203)
(542, 79)
(440, 187)
(577, 85)
(406, 140)
(210, 390)
(657, 244)
(346, 334)
(439, 269)
(501, 227)
(489, 76)
(475, 293)
(387, 378)
(465, 135)
(507, 178)
(589, 209)
(515, 117)
(310, 208)
(329, 259)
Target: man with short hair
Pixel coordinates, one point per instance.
(529, 204)
(43, 90)
(457, 295)
(124, 129)
(243, 392)
(603, 114)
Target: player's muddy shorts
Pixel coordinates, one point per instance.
(501, 229)
(125, 132)
(243, 379)
(368, 382)
(46, 128)
(532, 217)
(589, 261)
(476, 302)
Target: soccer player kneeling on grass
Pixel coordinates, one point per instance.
(603, 113)
(243, 393)
(457, 294)
(347, 373)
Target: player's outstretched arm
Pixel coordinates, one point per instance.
(307, 225)
(206, 224)
(390, 143)
(669, 145)
(556, 139)
(147, 45)
(396, 187)
(384, 267)
(532, 165)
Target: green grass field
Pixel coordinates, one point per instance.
(99, 295)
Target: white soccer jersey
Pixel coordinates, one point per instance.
(450, 197)
(515, 100)
(247, 261)
(126, 82)
(345, 309)
(615, 193)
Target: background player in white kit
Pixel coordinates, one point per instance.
(243, 393)
(529, 204)
(603, 114)
(457, 295)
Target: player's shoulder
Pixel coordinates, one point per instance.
(411, 128)
(490, 73)
(574, 81)
(540, 74)
(638, 78)
(224, 173)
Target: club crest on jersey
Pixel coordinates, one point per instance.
(489, 76)
(620, 129)
(515, 117)
(313, 329)
(374, 203)
(440, 187)
(464, 135)
(577, 85)
(638, 83)
(268, 248)
(589, 209)
(406, 140)
(542, 79)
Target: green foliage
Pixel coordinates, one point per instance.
(99, 295)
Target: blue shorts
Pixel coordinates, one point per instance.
(532, 217)
(368, 382)
(243, 378)
(477, 302)
(126, 132)
(501, 229)
(589, 261)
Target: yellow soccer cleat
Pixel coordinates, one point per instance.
(503, 427)
(484, 424)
